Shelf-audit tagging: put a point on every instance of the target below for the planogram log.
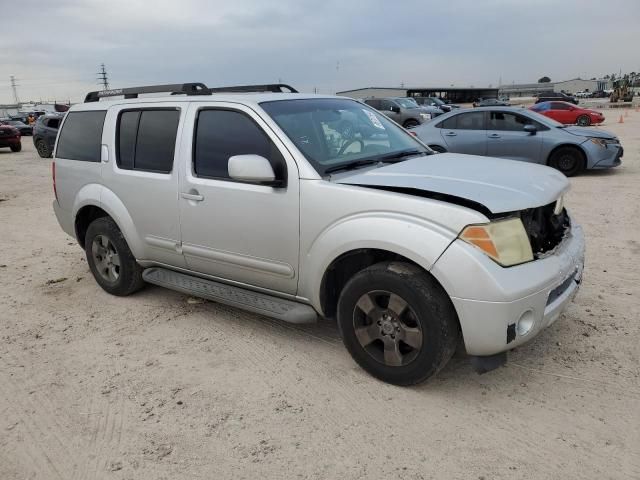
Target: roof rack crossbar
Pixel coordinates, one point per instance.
(133, 92)
(269, 87)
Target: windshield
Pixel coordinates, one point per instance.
(335, 132)
(407, 102)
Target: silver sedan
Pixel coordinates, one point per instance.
(519, 134)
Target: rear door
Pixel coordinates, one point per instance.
(465, 133)
(143, 175)
(507, 138)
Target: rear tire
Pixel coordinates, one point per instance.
(583, 121)
(16, 148)
(568, 160)
(111, 262)
(43, 150)
(411, 124)
(397, 322)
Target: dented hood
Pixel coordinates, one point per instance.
(499, 185)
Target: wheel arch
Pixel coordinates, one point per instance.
(575, 146)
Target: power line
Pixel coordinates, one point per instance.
(15, 90)
(102, 77)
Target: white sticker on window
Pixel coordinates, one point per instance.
(374, 120)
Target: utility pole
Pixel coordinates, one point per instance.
(15, 90)
(103, 78)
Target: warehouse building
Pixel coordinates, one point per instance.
(567, 86)
(453, 94)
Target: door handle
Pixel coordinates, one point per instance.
(451, 134)
(494, 135)
(196, 197)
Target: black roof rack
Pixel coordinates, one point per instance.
(269, 87)
(133, 92)
(186, 89)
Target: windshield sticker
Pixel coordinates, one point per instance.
(374, 120)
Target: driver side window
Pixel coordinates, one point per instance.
(221, 134)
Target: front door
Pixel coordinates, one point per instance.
(507, 138)
(465, 133)
(238, 231)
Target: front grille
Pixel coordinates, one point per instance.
(545, 229)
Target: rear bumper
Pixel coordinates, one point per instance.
(64, 219)
(519, 302)
(8, 141)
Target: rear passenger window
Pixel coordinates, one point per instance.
(81, 136)
(449, 123)
(471, 121)
(147, 139)
(221, 134)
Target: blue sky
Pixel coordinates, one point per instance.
(55, 48)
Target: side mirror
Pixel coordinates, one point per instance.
(394, 109)
(251, 168)
(530, 129)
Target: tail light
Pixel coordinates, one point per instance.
(53, 176)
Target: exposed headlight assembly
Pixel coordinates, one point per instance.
(603, 142)
(504, 241)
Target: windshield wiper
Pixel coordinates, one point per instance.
(397, 156)
(351, 165)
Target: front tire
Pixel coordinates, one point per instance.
(438, 148)
(43, 150)
(111, 262)
(568, 160)
(410, 124)
(584, 121)
(16, 148)
(397, 322)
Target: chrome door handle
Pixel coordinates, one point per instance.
(192, 196)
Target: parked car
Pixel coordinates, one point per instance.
(435, 102)
(23, 128)
(404, 111)
(407, 250)
(582, 94)
(490, 102)
(568, 113)
(599, 94)
(525, 135)
(10, 137)
(45, 132)
(556, 96)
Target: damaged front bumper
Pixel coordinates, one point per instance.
(502, 308)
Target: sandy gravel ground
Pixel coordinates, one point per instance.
(160, 386)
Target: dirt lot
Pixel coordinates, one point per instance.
(162, 386)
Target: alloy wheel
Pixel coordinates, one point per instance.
(106, 258)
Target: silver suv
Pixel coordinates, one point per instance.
(404, 111)
(260, 202)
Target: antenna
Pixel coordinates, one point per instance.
(15, 90)
(103, 78)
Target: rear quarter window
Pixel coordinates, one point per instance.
(81, 136)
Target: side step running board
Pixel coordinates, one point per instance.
(255, 302)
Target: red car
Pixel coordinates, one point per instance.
(568, 113)
(10, 137)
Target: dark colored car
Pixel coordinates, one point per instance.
(568, 113)
(22, 127)
(45, 132)
(435, 102)
(490, 102)
(557, 97)
(10, 137)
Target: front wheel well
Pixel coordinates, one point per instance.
(568, 145)
(84, 217)
(346, 266)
